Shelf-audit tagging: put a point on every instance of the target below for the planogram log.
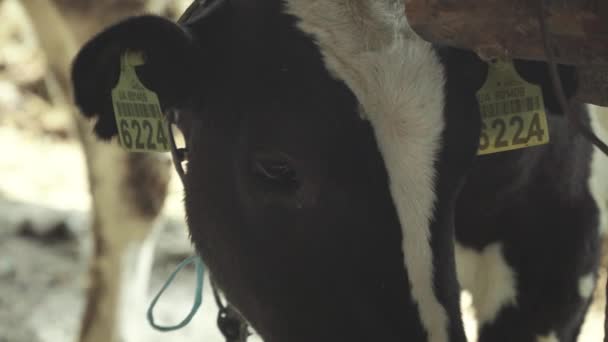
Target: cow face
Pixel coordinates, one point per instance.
(286, 192)
(322, 168)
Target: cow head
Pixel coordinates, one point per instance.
(327, 144)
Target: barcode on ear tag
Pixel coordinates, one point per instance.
(512, 110)
(141, 124)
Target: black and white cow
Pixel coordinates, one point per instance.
(332, 165)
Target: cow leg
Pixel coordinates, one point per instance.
(119, 276)
(553, 295)
(529, 227)
(606, 316)
(128, 190)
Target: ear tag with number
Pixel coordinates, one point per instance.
(141, 125)
(512, 111)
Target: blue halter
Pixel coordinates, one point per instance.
(198, 295)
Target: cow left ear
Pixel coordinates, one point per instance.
(171, 59)
(538, 73)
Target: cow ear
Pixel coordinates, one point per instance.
(538, 73)
(170, 56)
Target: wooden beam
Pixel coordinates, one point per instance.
(578, 28)
(578, 32)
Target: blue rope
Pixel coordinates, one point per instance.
(198, 295)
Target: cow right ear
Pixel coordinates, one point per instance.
(169, 70)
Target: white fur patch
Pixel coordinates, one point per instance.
(468, 315)
(598, 181)
(490, 280)
(551, 337)
(586, 285)
(399, 82)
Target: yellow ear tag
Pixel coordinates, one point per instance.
(141, 124)
(512, 111)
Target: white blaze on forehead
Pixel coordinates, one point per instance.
(586, 284)
(490, 280)
(399, 82)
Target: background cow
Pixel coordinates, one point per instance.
(125, 224)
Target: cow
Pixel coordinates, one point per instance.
(126, 224)
(333, 186)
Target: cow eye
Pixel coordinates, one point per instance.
(276, 171)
